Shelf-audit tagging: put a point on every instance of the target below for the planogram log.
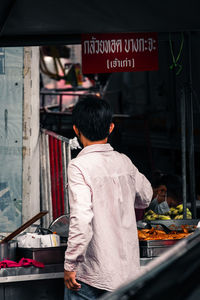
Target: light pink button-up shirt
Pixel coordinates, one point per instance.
(104, 188)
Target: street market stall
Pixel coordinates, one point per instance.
(174, 275)
(34, 261)
(25, 23)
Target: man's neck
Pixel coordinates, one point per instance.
(87, 142)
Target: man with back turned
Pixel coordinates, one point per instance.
(105, 187)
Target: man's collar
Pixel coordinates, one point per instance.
(96, 148)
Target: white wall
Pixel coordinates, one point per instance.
(11, 107)
(19, 136)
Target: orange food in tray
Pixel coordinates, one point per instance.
(156, 234)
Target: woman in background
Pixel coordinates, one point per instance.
(167, 192)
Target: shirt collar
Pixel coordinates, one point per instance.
(96, 148)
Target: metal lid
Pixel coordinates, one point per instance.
(60, 226)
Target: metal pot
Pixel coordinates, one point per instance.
(8, 247)
(8, 250)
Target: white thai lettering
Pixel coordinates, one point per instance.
(86, 47)
(115, 62)
(150, 44)
(97, 47)
(141, 45)
(113, 46)
(119, 46)
(107, 62)
(127, 45)
(125, 63)
(92, 45)
(135, 47)
(101, 47)
(107, 46)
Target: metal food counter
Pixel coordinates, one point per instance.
(31, 283)
(17, 274)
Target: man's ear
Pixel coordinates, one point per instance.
(112, 125)
(76, 130)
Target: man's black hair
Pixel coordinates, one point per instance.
(92, 116)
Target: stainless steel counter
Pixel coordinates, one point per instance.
(8, 275)
(32, 283)
(145, 260)
(31, 273)
(36, 283)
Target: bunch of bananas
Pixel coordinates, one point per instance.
(177, 212)
(150, 215)
(174, 213)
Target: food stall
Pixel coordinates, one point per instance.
(159, 236)
(25, 23)
(159, 232)
(31, 264)
(174, 275)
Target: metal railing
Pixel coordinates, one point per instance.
(55, 154)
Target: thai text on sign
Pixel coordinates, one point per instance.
(105, 53)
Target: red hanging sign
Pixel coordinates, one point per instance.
(126, 52)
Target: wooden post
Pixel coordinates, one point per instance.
(31, 177)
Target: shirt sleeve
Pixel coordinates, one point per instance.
(81, 214)
(143, 190)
